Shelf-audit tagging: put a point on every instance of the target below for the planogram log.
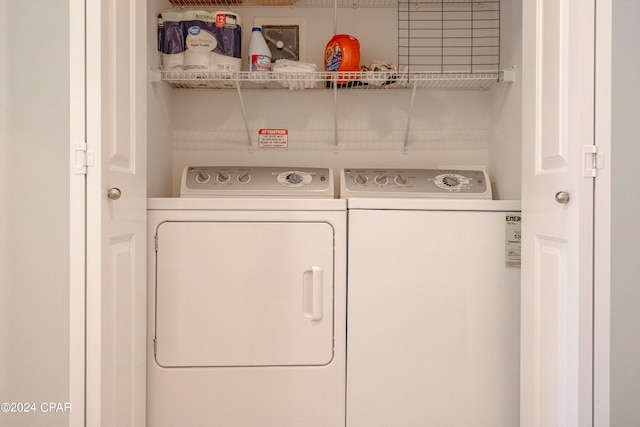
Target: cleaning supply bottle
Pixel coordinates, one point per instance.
(259, 53)
(342, 54)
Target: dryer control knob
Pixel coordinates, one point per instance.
(401, 180)
(381, 180)
(244, 177)
(202, 177)
(294, 178)
(223, 177)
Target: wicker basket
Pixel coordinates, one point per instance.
(213, 3)
(204, 3)
(274, 2)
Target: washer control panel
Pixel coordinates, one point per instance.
(424, 183)
(231, 181)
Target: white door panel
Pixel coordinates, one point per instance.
(116, 242)
(118, 317)
(552, 334)
(552, 81)
(557, 282)
(243, 294)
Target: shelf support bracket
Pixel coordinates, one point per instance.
(508, 75)
(244, 116)
(405, 148)
(335, 112)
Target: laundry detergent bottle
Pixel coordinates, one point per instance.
(342, 54)
(259, 53)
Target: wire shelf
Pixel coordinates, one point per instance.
(308, 3)
(442, 45)
(449, 35)
(288, 3)
(363, 80)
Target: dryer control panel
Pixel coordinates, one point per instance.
(233, 181)
(415, 183)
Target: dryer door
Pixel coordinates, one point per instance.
(244, 294)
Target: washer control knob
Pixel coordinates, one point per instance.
(223, 177)
(401, 180)
(361, 179)
(450, 181)
(381, 180)
(244, 177)
(202, 177)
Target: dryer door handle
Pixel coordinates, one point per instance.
(312, 293)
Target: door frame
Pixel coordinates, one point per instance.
(602, 233)
(77, 214)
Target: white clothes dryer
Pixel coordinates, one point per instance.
(433, 300)
(247, 300)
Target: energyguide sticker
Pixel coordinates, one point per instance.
(512, 241)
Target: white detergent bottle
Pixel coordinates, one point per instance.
(259, 53)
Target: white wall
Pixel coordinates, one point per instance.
(625, 234)
(34, 213)
(158, 129)
(505, 142)
(448, 128)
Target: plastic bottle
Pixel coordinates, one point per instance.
(342, 54)
(259, 53)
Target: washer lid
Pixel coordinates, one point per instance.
(232, 181)
(415, 183)
(431, 204)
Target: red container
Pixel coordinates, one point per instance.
(342, 54)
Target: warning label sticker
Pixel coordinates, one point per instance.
(273, 138)
(513, 239)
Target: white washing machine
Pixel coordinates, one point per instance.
(433, 300)
(247, 300)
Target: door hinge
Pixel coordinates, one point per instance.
(593, 160)
(155, 346)
(83, 158)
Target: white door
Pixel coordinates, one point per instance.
(244, 294)
(557, 217)
(116, 132)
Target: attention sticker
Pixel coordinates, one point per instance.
(273, 138)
